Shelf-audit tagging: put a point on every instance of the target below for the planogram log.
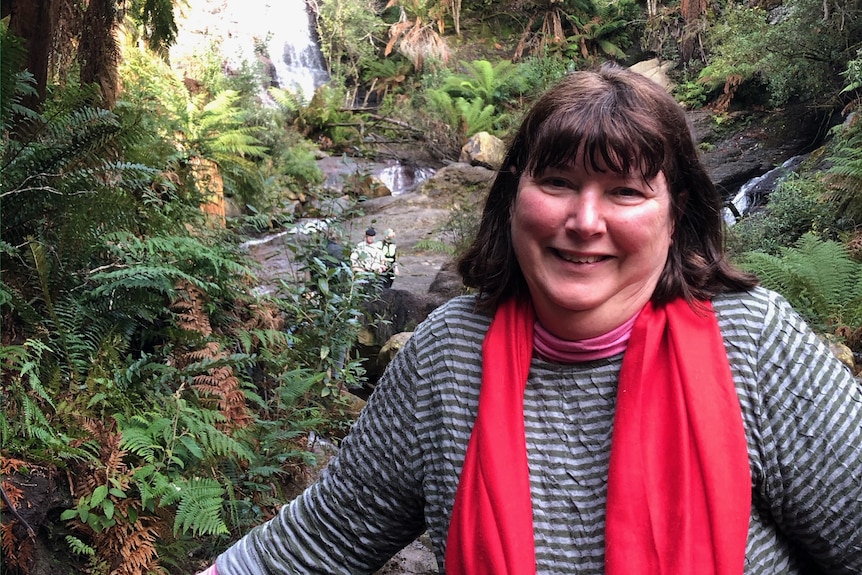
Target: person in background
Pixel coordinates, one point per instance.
(390, 257)
(367, 256)
(614, 397)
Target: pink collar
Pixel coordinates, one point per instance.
(553, 348)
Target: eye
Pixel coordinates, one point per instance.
(555, 183)
(626, 192)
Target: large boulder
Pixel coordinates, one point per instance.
(483, 149)
(656, 70)
(457, 180)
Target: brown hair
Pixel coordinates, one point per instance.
(630, 124)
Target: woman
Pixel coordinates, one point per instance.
(644, 407)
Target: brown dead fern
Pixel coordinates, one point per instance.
(219, 381)
(127, 546)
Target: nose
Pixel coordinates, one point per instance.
(586, 216)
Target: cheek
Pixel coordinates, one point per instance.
(653, 234)
(534, 216)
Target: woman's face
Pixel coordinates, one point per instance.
(591, 246)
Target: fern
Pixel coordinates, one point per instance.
(14, 85)
(845, 173)
(467, 117)
(78, 547)
(476, 115)
(483, 80)
(817, 277)
(200, 507)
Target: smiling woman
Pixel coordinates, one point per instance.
(615, 398)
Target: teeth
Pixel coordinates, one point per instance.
(581, 260)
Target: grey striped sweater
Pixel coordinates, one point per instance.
(397, 472)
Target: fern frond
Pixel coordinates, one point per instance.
(818, 277)
(78, 547)
(476, 115)
(200, 508)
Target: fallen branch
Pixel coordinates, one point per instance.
(15, 513)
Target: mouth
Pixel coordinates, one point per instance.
(576, 259)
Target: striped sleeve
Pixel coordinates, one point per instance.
(803, 411)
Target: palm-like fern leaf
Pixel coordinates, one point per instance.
(816, 276)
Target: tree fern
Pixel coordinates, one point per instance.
(217, 131)
(476, 115)
(492, 83)
(817, 277)
(466, 117)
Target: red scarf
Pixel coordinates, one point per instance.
(679, 484)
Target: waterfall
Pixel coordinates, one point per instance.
(755, 191)
(243, 28)
(400, 178)
(297, 58)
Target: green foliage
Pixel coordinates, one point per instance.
(691, 94)
(324, 117)
(474, 101)
(737, 41)
(347, 32)
(156, 20)
(325, 312)
(844, 174)
(28, 414)
(217, 130)
(96, 511)
(538, 72)
(466, 117)
(605, 35)
(64, 187)
(158, 263)
(795, 53)
(199, 509)
(224, 123)
(492, 84)
(154, 104)
(79, 547)
(14, 83)
(817, 277)
(103, 244)
(388, 75)
(853, 73)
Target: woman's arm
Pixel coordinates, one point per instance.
(812, 421)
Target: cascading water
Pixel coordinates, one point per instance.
(297, 58)
(754, 192)
(241, 27)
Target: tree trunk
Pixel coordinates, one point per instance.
(33, 21)
(98, 53)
